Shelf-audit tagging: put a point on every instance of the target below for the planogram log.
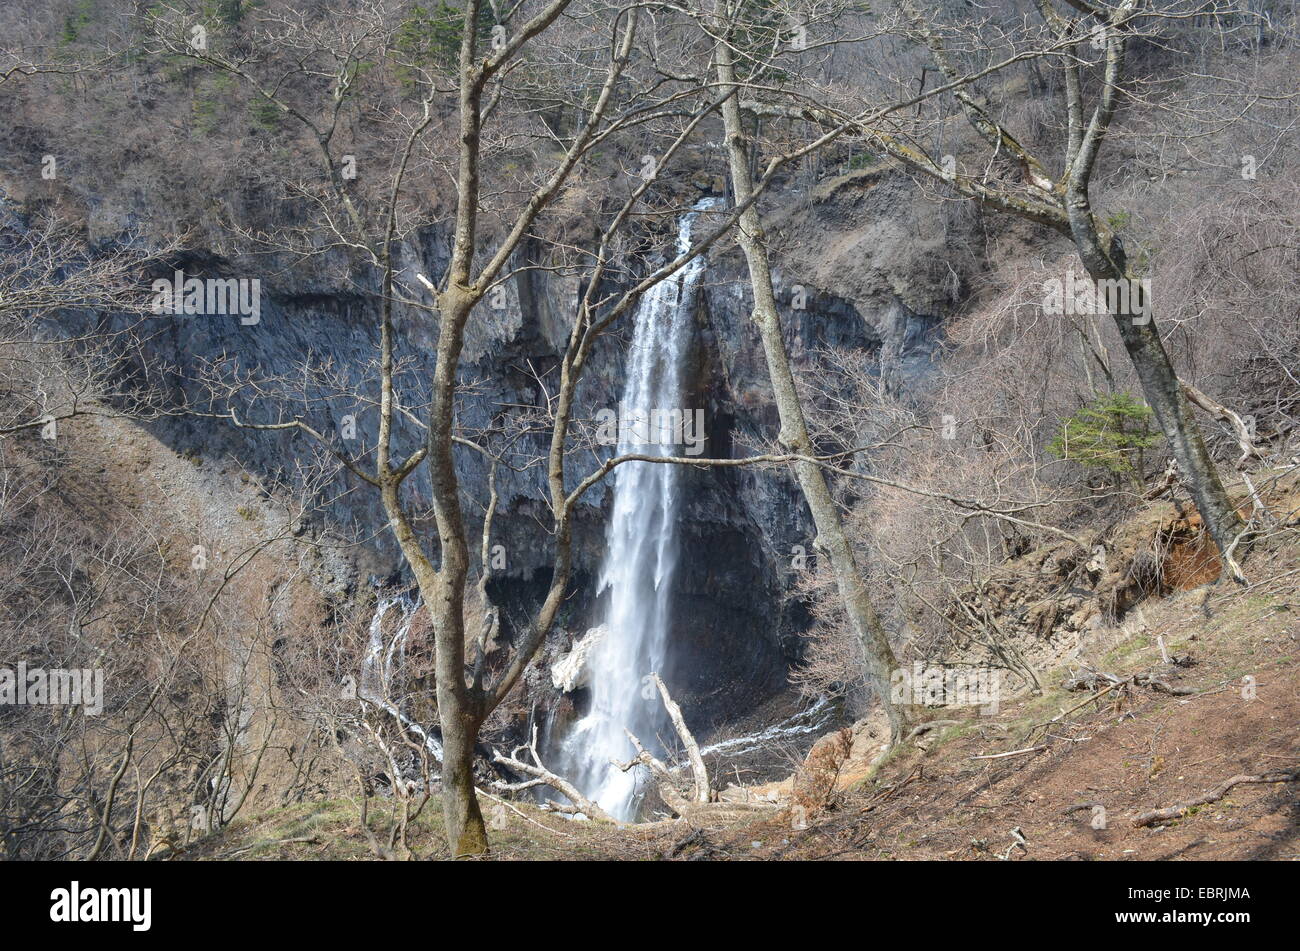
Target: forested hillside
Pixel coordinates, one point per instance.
(692, 430)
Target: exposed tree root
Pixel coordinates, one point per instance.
(1214, 795)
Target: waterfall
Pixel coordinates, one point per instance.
(381, 668)
(641, 547)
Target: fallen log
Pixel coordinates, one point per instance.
(1093, 679)
(544, 777)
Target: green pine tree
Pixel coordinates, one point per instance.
(1111, 433)
(430, 37)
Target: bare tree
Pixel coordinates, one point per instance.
(1063, 201)
(613, 102)
(794, 437)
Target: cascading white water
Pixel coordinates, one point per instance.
(641, 550)
(381, 667)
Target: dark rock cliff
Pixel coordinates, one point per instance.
(869, 253)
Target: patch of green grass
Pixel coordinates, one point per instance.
(334, 826)
(950, 733)
(1122, 653)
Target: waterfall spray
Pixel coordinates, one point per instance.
(641, 551)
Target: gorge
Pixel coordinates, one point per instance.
(326, 331)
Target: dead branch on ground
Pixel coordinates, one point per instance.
(1153, 816)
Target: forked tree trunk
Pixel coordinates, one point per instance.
(831, 536)
(459, 704)
(1105, 261)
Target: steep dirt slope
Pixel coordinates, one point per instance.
(197, 522)
(1071, 771)
(1200, 686)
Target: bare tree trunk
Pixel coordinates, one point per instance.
(699, 771)
(876, 649)
(1164, 394)
(462, 818)
(1105, 261)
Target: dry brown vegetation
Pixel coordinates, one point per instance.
(232, 677)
